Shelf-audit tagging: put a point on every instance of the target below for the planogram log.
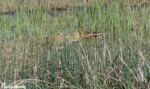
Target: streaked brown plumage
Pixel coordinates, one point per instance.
(60, 39)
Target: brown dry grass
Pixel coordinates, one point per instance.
(49, 5)
(136, 2)
(8, 7)
(11, 6)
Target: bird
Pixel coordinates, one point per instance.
(69, 38)
(81, 35)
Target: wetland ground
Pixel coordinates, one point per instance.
(117, 59)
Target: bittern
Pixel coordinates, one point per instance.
(60, 39)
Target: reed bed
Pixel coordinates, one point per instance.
(118, 59)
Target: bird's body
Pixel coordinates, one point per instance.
(77, 36)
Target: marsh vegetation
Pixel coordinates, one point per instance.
(75, 44)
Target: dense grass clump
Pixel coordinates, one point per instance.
(117, 59)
